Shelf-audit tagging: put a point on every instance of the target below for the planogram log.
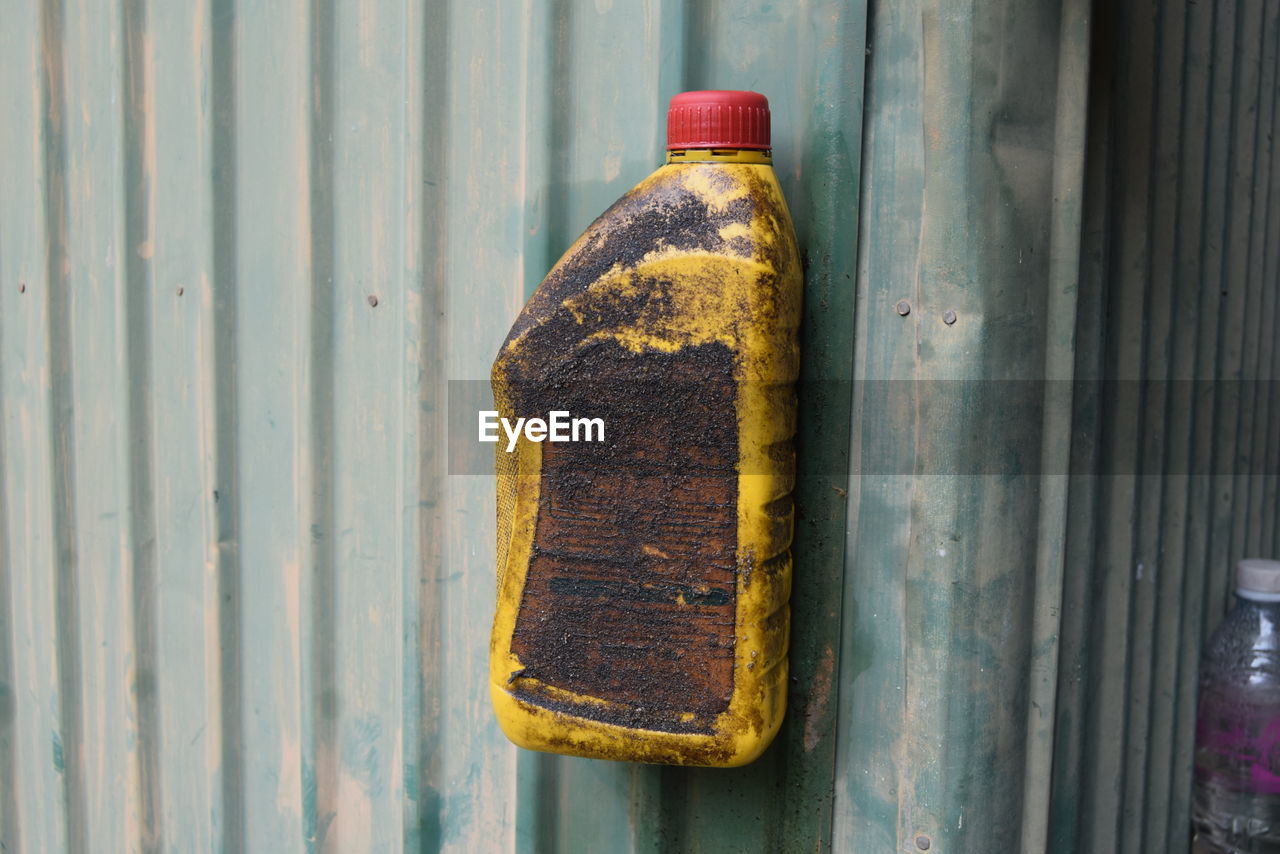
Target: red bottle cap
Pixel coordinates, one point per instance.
(718, 119)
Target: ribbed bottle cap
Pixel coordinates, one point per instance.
(718, 119)
(1257, 575)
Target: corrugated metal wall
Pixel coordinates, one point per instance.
(244, 246)
(1178, 316)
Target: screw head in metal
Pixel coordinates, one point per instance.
(373, 301)
(922, 842)
(948, 317)
(181, 290)
(903, 307)
(22, 287)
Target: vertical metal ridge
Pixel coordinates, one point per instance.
(10, 828)
(1233, 314)
(424, 585)
(1230, 317)
(426, 35)
(547, 104)
(184, 406)
(673, 75)
(319, 706)
(644, 811)
(68, 743)
(540, 159)
(138, 121)
(1205, 21)
(273, 270)
(1070, 135)
(1091, 364)
(1221, 76)
(405, 264)
(1167, 562)
(1175, 760)
(1150, 437)
(828, 149)
(1245, 285)
(890, 183)
(1074, 734)
(1124, 419)
(560, 107)
(31, 543)
(1264, 335)
(1153, 718)
(548, 833)
(693, 66)
(226, 493)
(477, 764)
(673, 809)
(1258, 357)
(1269, 371)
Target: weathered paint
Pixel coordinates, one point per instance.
(243, 606)
(1174, 292)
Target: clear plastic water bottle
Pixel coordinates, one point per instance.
(1236, 802)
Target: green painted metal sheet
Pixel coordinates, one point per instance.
(1178, 304)
(245, 246)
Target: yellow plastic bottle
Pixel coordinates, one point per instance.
(643, 576)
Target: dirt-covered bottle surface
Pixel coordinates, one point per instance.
(1236, 799)
(644, 578)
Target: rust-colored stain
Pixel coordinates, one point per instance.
(630, 592)
(819, 698)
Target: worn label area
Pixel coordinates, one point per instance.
(631, 586)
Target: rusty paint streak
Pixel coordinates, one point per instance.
(815, 711)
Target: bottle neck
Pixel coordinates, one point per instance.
(1262, 618)
(1266, 614)
(720, 155)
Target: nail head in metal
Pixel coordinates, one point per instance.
(903, 307)
(948, 317)
(181, 290)
(22, 288)
(373, 301)
(922, 842)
